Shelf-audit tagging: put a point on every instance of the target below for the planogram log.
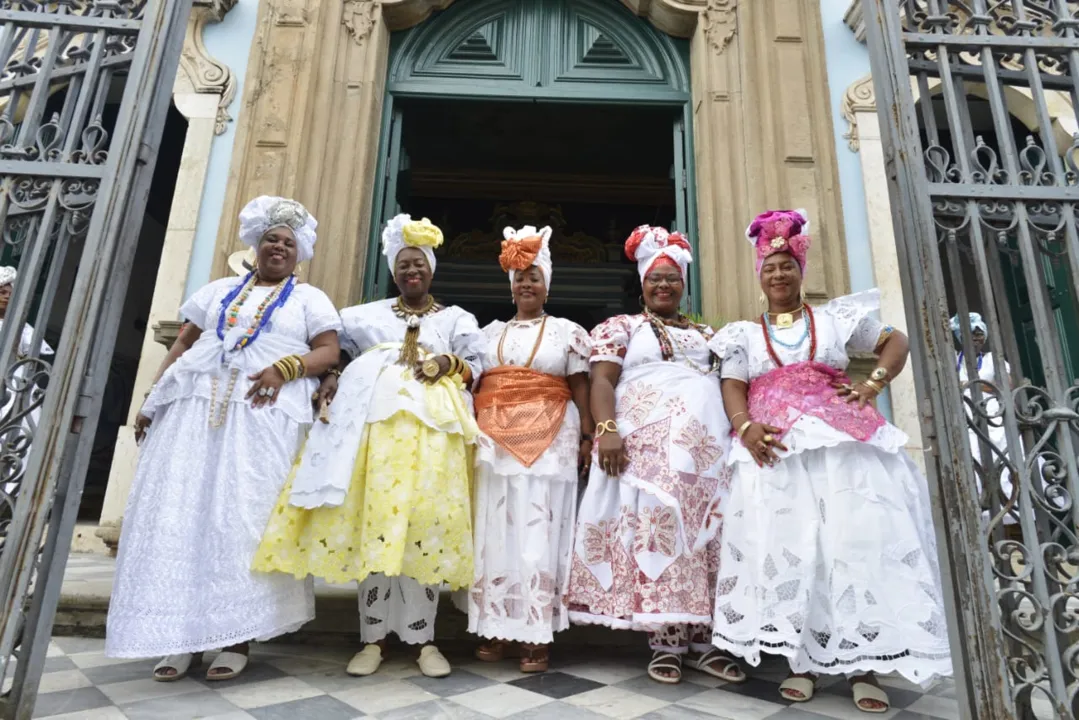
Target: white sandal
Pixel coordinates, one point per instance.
(181, 663)
(234, 662)
(365, 662)
(805, 686)
(730, 670)
(432, 663)
(665, 661)
(868, 691)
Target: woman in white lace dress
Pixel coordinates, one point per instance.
(646, 550)
(828, 553)
(218, 431)
(528, 464)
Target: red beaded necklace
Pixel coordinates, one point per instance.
(808, 312)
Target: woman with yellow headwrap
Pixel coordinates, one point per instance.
(380, 494)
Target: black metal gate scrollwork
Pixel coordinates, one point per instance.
(985, 217)
(84, 89)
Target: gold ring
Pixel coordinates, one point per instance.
(431, 368)
(769, 439)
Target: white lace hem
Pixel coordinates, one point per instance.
(641, 622)
(921, 667)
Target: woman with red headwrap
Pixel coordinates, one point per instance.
(828, 555)
(646, 547)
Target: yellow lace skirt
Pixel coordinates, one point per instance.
(407, 512)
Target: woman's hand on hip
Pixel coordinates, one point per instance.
(762, 441)
(265, 387)
(612, 454)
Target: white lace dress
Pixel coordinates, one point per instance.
(524, 516)
(829, 558)
(202, 495)
(645, 553)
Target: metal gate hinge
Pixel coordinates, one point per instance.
(82, 404)
(146, 153)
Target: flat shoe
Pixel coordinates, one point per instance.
(365, 662)
(869, 691)
(432, 663)
(233, 662)
(802, 685)
(180, 662)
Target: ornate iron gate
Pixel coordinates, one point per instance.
(84, 88)
(986, 221)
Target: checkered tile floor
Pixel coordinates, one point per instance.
(308, 682)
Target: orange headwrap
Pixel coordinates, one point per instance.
(520, 254)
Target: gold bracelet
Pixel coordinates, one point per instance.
(334, 371)
(301, 367)
(283, 368)
(607, 426)
(876, 386)
(745, 426)
(737, 414)
(455, 365)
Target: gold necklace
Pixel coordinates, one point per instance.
(410, 349)
(786, 320)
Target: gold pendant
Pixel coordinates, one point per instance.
(784, 320)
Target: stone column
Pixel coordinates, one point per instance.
(203, 90)
(860, 110)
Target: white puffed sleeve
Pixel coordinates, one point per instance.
(578, 348)
(319, 313)
(858, 328)
(731, 346)
(469, 343)
(200, 310)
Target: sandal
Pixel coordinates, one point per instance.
(729, 669)
(535, 658)
(868, 690)
(497, 651)
(232, 662)
(801, 684)
(181, 663)
(662, 660)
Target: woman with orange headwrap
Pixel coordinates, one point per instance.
(647, 534)
(528, 464)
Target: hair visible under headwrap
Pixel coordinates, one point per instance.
(976, 323)
(647, 245)
(780, 231)
(524, 248)
(266, 212)
(7, 275)
(402, 231)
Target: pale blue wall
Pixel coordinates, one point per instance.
(229, 42)
(847, 61)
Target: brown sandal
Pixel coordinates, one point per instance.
(496, 651)
(535, 658)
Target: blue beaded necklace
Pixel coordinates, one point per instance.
(282, 292)
(790, 346)
(959, 362)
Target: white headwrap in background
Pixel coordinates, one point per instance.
(7, 275)
(543, 257)
(976, 323)
(265, 213)
(655, 241)
(402, 231)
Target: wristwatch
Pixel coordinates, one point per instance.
(431, 368)
(879, 375)
(587, 436)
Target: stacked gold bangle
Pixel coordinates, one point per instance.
(291, 367)
(605, 427)
(457, 365)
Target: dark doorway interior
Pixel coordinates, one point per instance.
(592, 173)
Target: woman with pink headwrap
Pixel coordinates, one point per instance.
(646, 551)
(828, 555)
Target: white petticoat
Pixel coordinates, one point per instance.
(198, 507)
(829, 559)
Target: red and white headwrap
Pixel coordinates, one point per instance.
(653, 246)
(780, 231)
(524, 248)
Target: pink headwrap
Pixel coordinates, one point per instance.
(647, 244)
(780, 231)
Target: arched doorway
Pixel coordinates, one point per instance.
(569, 113)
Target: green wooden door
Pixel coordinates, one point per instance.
(576, 51)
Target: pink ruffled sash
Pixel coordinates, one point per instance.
(783, 395)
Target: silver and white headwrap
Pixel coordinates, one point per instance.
(7, 275)
(266, 212)
(976, 323)
(394, 241)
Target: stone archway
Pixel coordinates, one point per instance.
(312, 113)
